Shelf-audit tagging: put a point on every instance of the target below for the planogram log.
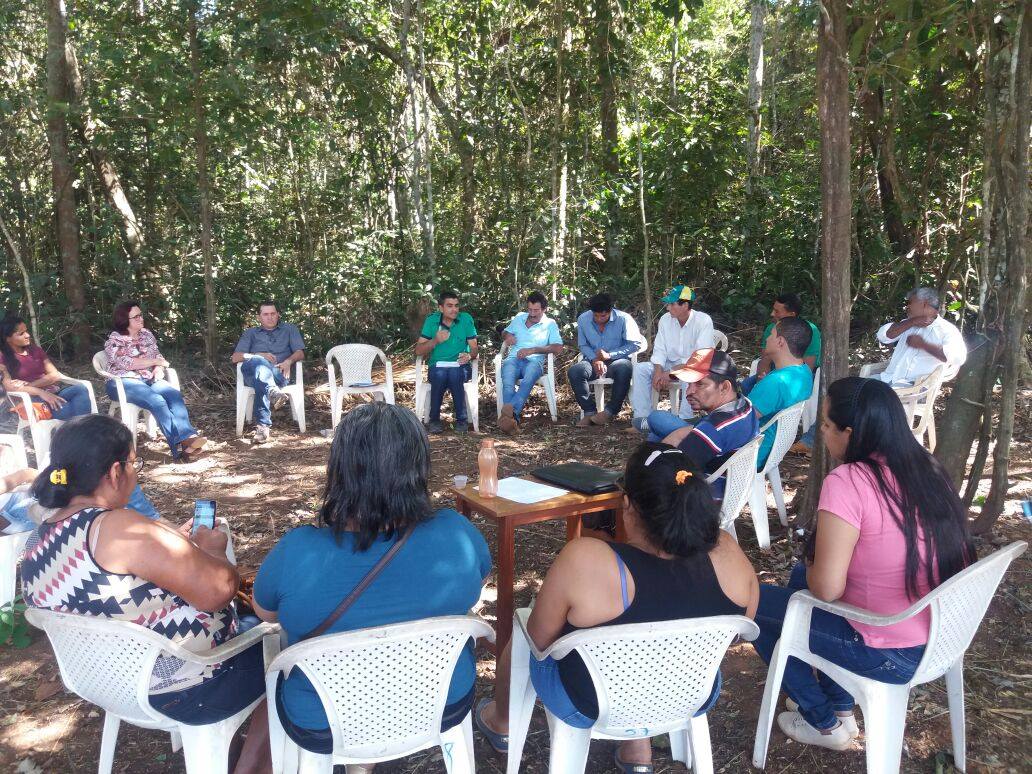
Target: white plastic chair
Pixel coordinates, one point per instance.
(598, 385)
(295, 391)
(739, 471)
(383, 689)
(471, 388)
(547, 381)
(355, 362)
(11, 545)
(109, 663)
(650, 679)
(675, 392)
(957, 608)
(785, 426)
(129, 412)
(40, 430)
(919, 402)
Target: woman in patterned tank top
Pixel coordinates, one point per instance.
(96, 557)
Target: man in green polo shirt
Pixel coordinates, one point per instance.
(450, 338)
(785, 305)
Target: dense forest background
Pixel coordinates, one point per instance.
(351, 157)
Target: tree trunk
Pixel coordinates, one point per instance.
(30, 304)
(203, 187)
(63, 174)
(603, 45)
(836, 211)
(759, 13)
(560, 155)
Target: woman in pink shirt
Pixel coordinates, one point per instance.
(882, 514)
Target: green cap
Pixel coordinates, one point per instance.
(679, 293)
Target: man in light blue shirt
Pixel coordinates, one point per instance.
(607, 338)
(530, 337)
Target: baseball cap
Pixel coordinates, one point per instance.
(706, 362)
(679, 293)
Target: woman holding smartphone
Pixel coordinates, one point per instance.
(179, 583)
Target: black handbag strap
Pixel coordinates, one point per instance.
(361, 587)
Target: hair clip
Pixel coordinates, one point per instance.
(652, 457)
(59, 477)
(681, 476)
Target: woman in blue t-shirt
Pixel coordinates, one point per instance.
(376, 490)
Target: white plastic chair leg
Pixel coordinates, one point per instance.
(457, 747)
(569, 747)
(206, 748)
(108, 740)
(955, 697)
(774, 476)
(549, 384)
(758, 508)
(298, 407)
(680, 747)
(768, 706)
(931, 430)
(242, 403)
(314, 763)
(885, 718)
(699, 744)
(521, 699)
(177, 741)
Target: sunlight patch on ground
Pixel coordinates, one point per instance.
(26, 736)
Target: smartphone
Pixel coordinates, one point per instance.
(203, 515)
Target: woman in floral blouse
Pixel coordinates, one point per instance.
(132, 353)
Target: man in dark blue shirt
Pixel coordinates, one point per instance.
(268, 353)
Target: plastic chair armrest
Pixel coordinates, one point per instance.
(299, 374)
(870, 369)
(26, 399)
(805, 599)
(85, 383)
(231, 648)
(520, 618)
(172, 377)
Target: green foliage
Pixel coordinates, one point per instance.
(14, 629)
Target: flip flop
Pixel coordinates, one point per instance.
(499, 742)
(630, 768)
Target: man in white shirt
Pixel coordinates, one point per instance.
(681, 331)
(924, 341)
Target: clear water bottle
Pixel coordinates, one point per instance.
(487, 460)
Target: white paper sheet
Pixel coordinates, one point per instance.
(447, 364)
(521, 491)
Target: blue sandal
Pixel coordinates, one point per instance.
(499, 742)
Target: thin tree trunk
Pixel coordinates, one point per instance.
(560, 154)
(63, 173)
(836, 210)
(203, 187)
(756, 30)
(646, 286)
(30, 304)
(609, 121)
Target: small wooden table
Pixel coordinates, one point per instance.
(508, 515)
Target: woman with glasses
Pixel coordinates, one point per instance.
(132, 354)
(175, 582)
(677, 563)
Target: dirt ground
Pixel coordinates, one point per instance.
(265, 491)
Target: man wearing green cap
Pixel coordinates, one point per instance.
(681, 331)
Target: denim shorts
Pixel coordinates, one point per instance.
(548, 685)
(320, 740)
(239, 682)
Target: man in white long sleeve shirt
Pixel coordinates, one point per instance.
(681, 331)
(924, 341)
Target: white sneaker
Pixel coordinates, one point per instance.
(849, 721)
(796, 727)
(261, 433)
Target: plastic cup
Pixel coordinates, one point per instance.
(461, 481)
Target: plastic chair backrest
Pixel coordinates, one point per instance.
(786, 424)
(739, 470)
(384, 688)
(958, 606)
(654, 676)
(100, 363)
(355, 362)
(106, 662)
(13, 457)
(719, 340)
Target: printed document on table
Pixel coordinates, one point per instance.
(526, 492)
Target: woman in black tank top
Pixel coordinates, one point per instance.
(676, 563)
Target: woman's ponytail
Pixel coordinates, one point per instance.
(52, 487)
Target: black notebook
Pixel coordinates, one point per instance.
(579, 477)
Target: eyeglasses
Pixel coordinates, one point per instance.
(138, 464)
(136, 316)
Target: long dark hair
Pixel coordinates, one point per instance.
(83, 449)
(377, 475)
(672, 499)
(919, 489)
(8, 326)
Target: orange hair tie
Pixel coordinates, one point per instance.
(681, 476)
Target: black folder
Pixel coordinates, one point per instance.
(579, 477)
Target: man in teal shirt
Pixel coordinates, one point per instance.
(450, 338)
(531, 336)
(790, 380)
(785, 305)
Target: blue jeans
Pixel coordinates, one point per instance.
(548, 685)
(832, 638)
(663, 423)
(140, 503)
(583, 372)
(262, 376)
(451, 380)
(525, 370)
(77, 402)
(162, 400)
